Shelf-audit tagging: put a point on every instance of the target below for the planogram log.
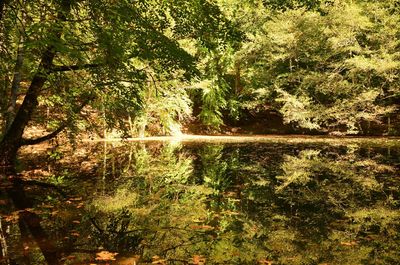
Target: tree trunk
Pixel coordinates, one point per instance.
(11, 141)
(16, 79)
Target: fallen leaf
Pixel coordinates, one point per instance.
(158, 260)
(265, 261)
(348, 244)
(12, 218)
(54, 213)
(198, 260)
(207, 227)
(106, 256)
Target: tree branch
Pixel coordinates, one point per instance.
(45, 137)
(95, 225)
(56, 132)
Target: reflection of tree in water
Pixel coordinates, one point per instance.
(231, 204)
(162, 202)
(332, 208)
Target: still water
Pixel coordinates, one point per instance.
(258, 202)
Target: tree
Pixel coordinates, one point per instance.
(84, 52)
(334, 69)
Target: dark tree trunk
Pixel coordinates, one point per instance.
(12, 140)
(32, 222)
(2, 4)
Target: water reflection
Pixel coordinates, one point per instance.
(237, 203)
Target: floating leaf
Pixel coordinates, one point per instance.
(265, 261)
(202, 227)
(106, 256)
(198, 260)
(158, 260)
(348, 244)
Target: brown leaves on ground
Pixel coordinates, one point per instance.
(158, 260)
(75, 234)
(106, 256)
(198, 260)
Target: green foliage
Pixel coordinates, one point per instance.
(324, 65)
(213, 102)
(106, 53)
(293, 4)
(327, 70)
(166, 106)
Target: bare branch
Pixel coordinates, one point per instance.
(57, 131)
(44, 138)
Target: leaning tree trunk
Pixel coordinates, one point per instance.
(12, 139)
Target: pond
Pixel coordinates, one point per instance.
(275, 201)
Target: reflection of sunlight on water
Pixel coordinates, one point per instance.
(292, 139)
(176, 142)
